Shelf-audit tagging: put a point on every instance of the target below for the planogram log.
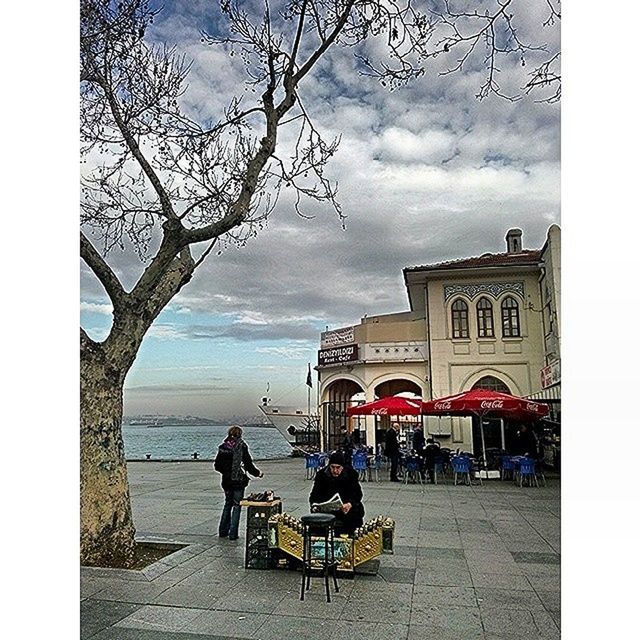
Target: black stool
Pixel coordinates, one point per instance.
(318, 524)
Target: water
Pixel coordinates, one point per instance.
(173, 442)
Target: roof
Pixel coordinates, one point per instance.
(522, 258)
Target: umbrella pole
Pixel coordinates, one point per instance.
(484, 452)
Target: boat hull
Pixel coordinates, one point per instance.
(287, 420)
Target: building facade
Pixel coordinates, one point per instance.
(491, 321)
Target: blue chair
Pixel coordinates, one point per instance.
(323, 458)
(311, 464)
(413, 469)
(461, 465)
(359, 463)
(528, 471)
(438, 468)
(507, 467)
(375, 464)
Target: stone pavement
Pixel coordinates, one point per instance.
(480, 562)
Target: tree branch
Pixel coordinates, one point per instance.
(103, 272)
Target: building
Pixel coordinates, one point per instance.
(491, 321)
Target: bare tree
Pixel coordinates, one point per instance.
(171, 187)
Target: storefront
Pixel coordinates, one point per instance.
(550, 428)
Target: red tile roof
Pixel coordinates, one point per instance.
(523, 258)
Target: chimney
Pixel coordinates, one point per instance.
(514, 241)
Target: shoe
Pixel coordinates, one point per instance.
(394, 480)
(233, 537)
(223, 535)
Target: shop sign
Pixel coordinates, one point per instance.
(338, 355)
(550, 374)
(337, 337)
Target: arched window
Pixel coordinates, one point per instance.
(484, 309)
(460, 319)
(510, 318)
(491, 383)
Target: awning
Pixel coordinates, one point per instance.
(550, 393)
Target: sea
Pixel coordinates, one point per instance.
(180, 442)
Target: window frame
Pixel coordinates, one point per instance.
(484, 318)
(459, 317)
(510, 316)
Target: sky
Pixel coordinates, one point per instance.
(41, 290)
(426, 173)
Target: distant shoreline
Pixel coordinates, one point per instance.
(278, 459)
(197, 424)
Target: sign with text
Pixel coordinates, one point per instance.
(550, 374)
(336, 338)
(338, 355)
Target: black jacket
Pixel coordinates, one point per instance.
(346, 485)
(224, 462)
(391, 446)
(526, 443)
(418, 441)
(431, 452)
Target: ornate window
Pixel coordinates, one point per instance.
(510, 318)
(460, 319)
(484, 309)
(491, 383)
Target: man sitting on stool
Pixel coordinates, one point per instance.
(343, 480)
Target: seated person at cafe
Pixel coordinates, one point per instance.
(431, 452)
(336, 477)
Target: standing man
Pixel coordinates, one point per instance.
(232, 459)
(392, 450)
(346, 446)
(527, 443)
(418, 446)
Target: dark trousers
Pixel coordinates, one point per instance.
(349, 522)
(394, 458)
(430, 466)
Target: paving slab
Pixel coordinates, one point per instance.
(478, 562)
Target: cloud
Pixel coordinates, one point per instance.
(96, 307)
(289, 352)
(178, 389)
(426, 173)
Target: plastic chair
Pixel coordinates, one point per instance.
(507, 466)
(461, 465)
(438, 468)
(528, 471)
(359, 463)
(474, 470)
(311, 464)
(375, 464)
(413, 469)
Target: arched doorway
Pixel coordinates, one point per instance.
(396, 387)
(340, 395)
(497, 434)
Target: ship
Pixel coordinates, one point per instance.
(150, 422)
(297, 426)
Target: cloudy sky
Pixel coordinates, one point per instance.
(425, 173)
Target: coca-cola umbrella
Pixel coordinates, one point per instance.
(485, 403)
(389, 406)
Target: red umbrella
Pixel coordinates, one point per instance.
(389, 406)
(483, 402)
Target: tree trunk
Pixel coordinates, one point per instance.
(106, 523)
